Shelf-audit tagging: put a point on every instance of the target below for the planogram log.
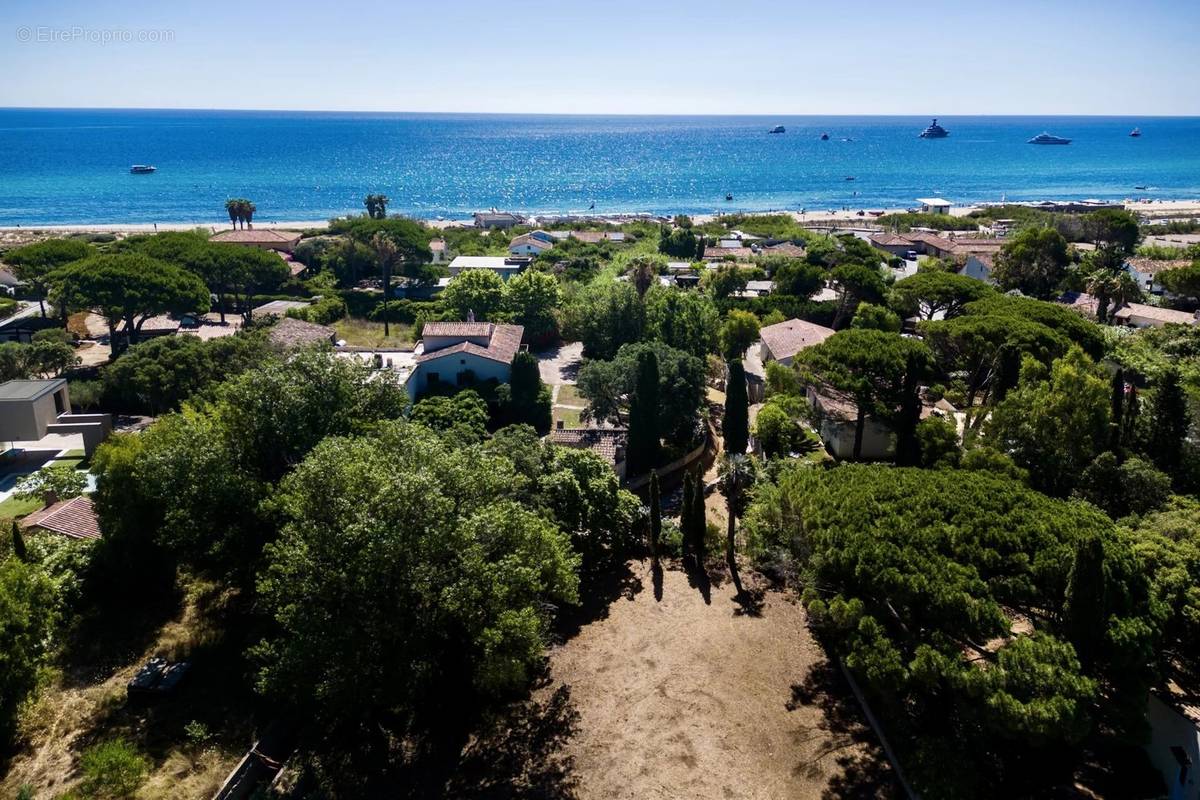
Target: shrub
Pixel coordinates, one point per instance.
(325, 311)
(112, 769)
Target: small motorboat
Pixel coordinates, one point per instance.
(824, 137)
(934, 131)
(728, 196)
(1136, 132)
(851, 177)
(1141, 188)
(777, 129)
(142, 169)
(1045, 138)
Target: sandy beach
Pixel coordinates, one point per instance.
(14, 234)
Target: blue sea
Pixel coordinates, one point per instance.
(72, 166)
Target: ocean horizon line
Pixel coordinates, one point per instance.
(616, 114)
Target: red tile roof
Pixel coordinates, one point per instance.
(75, 518)
(889, 240)
(785, 339)
(785, 249)
(261, 236)
(503, 343)
(722, 252)
(605, 442)
(457, 329)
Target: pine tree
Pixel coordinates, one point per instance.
(643, 416)
(736, 425)
(655, 515)
(1168, 423)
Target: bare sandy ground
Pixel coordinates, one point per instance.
(677, 697)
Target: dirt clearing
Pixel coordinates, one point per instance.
(677, 697)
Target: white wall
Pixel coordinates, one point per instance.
(1169, 728)
(448, 368)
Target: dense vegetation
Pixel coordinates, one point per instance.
(927, 582)
(1006, 588)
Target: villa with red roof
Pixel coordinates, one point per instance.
(461, 353)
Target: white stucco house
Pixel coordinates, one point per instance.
(1139, 315)
(1145, 271)
(462, 353)
(528, 244)
(978, 266)
(504, 266)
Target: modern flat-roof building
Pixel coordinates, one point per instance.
(496, 219)
(504, 266)
(29, 410)
(934, 205)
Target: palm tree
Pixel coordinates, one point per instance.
(737, 474)
(376, 205)
(248, 210)
(644, 272)
(386, 251)
(234, 211)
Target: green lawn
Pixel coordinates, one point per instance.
(568, 395)
(15, 507)
(364, 333)
(569, 416)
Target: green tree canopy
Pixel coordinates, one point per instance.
(1034, 261)
(681, 319)
(533, 298)
(157, 376)
(192, 483)
(604, 317)
(404, 576)
(478, 291)
(27, 618)
(129, 288)
(794, 276)
(609, 385)
(916, 576)
(1054, 424)
(871, 367)
(928, 294)
(1184, 281)
(738, 332)
(33, 264)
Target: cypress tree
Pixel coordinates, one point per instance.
(685, 517)
(18, 543)
(1168, 423)
(1086, 601)
(736, 425)
(643, 416)
(655, 515)
(1117, 427)
(699, 518)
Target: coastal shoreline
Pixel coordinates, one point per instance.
(1164, 208)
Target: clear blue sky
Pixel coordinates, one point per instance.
(619, 56)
